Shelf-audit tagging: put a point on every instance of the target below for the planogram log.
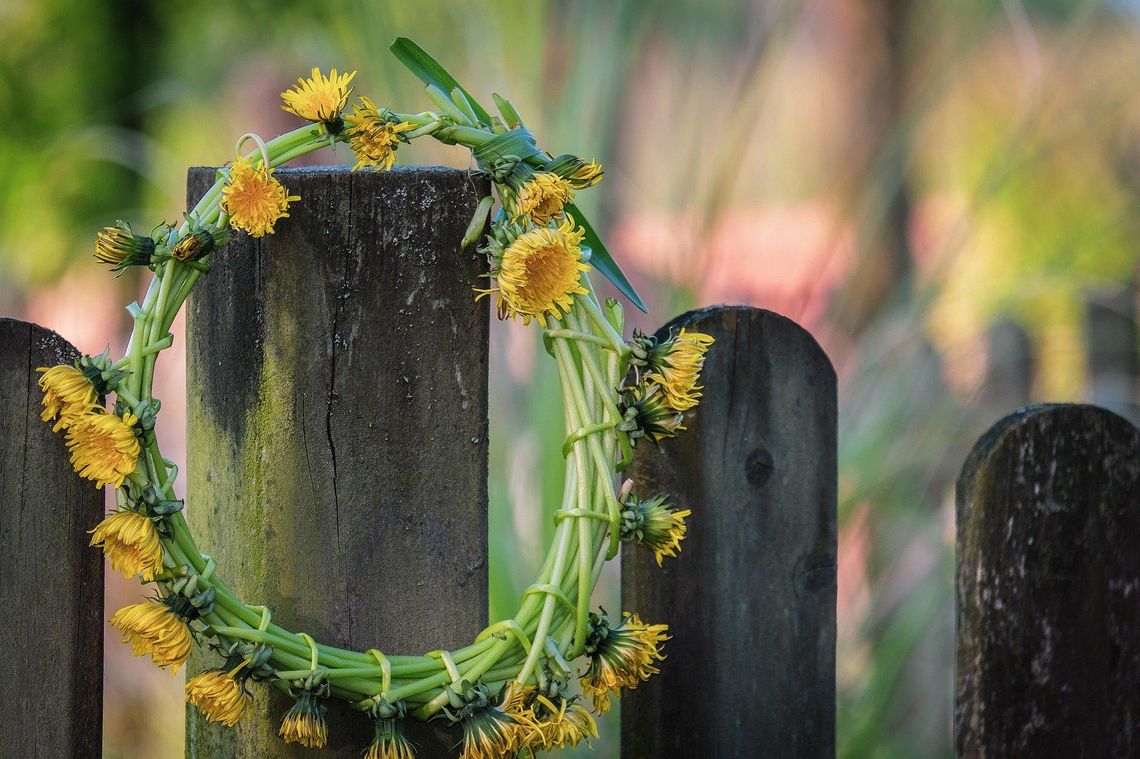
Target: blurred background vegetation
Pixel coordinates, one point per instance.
(945, 193)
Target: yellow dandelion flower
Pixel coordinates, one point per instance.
(130, 541)
(254, 199)
(540, 273)
(152, 628)
(119, 247)
(655, 524)
(305, 723)
(104, 447)
(622, 656)
(319, 98)
(676, 366)
(372, 137)
(219, 695)
(68, 394)
(547, 723)
(543, 197)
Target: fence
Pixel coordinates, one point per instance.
(290, 373)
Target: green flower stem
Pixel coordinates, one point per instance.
(595, 312)
(578, 396)
(571, 334)
(574, 418)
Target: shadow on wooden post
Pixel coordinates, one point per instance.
(750, 601)
(337, 383)
(1048, 587)
(51, 597)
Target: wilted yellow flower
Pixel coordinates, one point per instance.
(542, 197)
(119, 247)
(373, 137)
(389, 741)
(547, 723)
(620, 657)
(319, 98)
(653, 523)
(676, 366)
(647, 414)
(305, 723)
(254, 199)
(540, 273)
(219, 695)
(152, 628)
(67, 394)
(488, 733)
(104, 447)
(131, 543)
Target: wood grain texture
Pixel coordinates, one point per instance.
(750, 601)
(337, 382)
(1048, 587)
(51, 582)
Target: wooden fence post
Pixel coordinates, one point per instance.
(337, 383)
(750, 601)
(1048, 587)
(51, 593)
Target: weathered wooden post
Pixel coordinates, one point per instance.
(1048, 587)
(337, 384)
(750, 601)
(51, 583)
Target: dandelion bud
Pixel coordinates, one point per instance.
(119, 247)
(198, 244)
(646, 414)
(580, 174)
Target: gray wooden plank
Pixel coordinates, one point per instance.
(1048, 587)
(337, 382)
(51, 582)
(750, 601)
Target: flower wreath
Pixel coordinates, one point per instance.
(510, 688)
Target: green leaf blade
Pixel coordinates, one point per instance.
(427, 70)
(601, 259)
